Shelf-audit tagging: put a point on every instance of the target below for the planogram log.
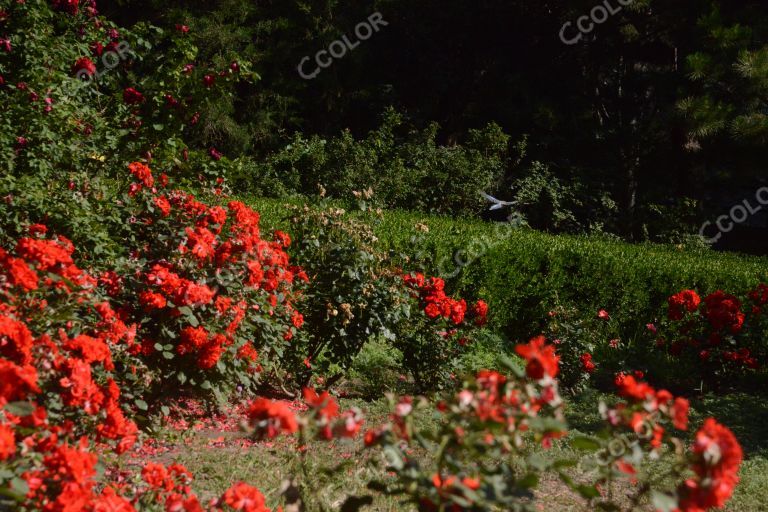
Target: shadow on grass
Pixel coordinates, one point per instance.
(746, 415)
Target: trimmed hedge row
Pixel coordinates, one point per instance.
(523, 274)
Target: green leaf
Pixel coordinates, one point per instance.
(20, 408)
(587, 491)
(141, 404)
(165, 410)
(585, 443)
(20, 485)
(663, 501)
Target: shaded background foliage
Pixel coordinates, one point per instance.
(639, 126)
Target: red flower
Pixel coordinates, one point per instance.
(163, 205)
(723, 311)
(586, 363)
(541, 358)
(324, 403)
(480, 312)
(192, 293)
(132, 97)
(151, 300)
(632, 389)
(215, 154)
(432, 310)
(282, 238)
(68, 6)
(244, 497)
(201, 241)
(297, 319)
(760, 294)
(680, 413)
(7, 442)
(211, 353)
(686, 300)
(603, 315)
(192, 340)
(84, 67)
(77, 463)
(156, 475)
(91, 350)
(16, 382)
(182, 28)
(109, 501)
(15, 340)
(37, 229)
(458, 309)
(217, 215)
(718, 456)
(248, 351)
(271, 418)
(19, 273)
(142, 173)
(79, 388)
(209, 80)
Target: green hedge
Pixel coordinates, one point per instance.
(523, 274)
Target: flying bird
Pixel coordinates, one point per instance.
(497, 204)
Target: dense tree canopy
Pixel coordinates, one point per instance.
(632, 116)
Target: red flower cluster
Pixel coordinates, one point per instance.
(200, 288)
(586, 363)
(62, 367)
(143, 174)
(646, 409)
(723, 311)
(68, 6)
(714, 329)
(84, 66)
(760, 297)
(328, 422)
(436, 303)
(132, 97)
(742, 357)
(542, 362)
(244, 497)
(679, 303)
(480, 312)
(717, 457)
(271, 418)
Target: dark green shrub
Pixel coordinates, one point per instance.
(352, 293)
(524, 274)
(406, 168)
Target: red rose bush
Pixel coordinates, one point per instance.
(720, 334)
(214, 301)
(66, 370)
(504, 420)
